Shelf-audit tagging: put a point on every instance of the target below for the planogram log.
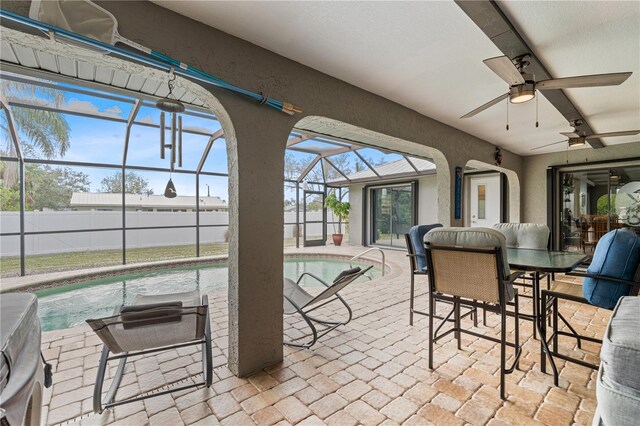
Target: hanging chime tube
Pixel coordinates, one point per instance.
(173, 141)
(162, 147)
(179, 141)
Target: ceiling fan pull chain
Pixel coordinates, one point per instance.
(537, 111)
(507, 114)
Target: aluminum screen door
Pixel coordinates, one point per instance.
(314, 218)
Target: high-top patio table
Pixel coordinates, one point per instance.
(538, 261)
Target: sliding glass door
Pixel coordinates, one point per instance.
(393, 211)
(595, 201)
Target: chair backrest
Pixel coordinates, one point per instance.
(416, 237)
(617, 255)
(525, 235)
(341, 281)
(141, 327)
(469, 262)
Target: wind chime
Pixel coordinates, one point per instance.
(171, 106)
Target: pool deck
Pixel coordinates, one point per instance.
(372, 371)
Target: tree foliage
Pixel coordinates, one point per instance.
(134, 184)
(52, 188)
(44, 133)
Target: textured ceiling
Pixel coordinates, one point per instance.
(428, 57)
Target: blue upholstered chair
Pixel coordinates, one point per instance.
(417, 259)
(617, 255)
(614, 272)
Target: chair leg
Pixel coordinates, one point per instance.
(431, 314)
(207, 355)
(98, 401)
(543, 334)
(474, 315)
(503, 351)
(411, 300)
(456, 316)
(516, 315)
(555, 339)
(484, 317)
(97, 390)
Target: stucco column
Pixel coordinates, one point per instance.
(256, 170)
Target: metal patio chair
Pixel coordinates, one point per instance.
(151, 324)
(418, 267)
(297, 300)
(614, 272)
(534, 236)
(469, 266)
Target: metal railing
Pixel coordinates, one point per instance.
(359, 255)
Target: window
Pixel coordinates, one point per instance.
(393, 213)
(482, 201)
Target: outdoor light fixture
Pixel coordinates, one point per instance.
(169, 104)
(522, 93)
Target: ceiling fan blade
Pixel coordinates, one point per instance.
(595, 80)
(613, 134)
(505, 69)
(570, 134)
(486, 106)
(549, 144)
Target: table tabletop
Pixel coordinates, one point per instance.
(543, 260)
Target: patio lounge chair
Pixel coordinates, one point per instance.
(152, 324)
(469, 266)
(297, 300)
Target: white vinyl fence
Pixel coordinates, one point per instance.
(104, 240)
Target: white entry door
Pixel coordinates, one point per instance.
(485, 200)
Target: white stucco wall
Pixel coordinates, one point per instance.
(427, 206)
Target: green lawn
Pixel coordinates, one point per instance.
(10, 266)
(91, 259)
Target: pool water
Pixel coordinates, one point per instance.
(70, 305)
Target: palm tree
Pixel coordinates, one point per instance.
(46, 133)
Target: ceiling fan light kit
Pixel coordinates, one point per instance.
(522, 93)
(575, 142)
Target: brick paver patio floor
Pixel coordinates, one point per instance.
(372, 371)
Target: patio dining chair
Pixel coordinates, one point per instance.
(533, 236)
(418, 266)
(614, 272)
(151, 324)
(469, 266)
(298, 300)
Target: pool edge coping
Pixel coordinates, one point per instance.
(55, 279)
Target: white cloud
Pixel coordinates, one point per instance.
(89, 107)
(147, 119)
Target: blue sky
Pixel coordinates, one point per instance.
(102, 141)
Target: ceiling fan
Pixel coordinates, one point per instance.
(522, 86)
(577, 139)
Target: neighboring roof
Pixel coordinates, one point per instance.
(394, 169)
(101, 199)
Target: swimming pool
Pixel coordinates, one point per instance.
(70, 305)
